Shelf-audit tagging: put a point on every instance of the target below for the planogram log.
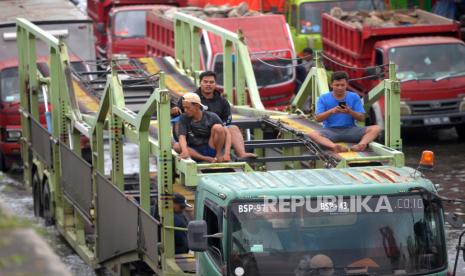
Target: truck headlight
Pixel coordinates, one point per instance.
(405, 109)
(13, 135)
(462, 105)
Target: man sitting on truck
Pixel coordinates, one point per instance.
(217, 104)
(201, 133)
(338, 110)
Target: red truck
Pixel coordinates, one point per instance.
(268, 40)
(429, 61)
(119, 25)
(63, 20)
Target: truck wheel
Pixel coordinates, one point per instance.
(460, 131)
(2, 163)
(36, 195)
(48, 204)
(4, 167)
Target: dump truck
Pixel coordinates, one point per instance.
(119, 26)
(302, 16)
(63, 20)
(392, 213)
(267, 37)
(429, 65)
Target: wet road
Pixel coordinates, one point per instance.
(19, 200)
(449, 173)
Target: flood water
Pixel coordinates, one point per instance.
(19, 200)
(448, 172)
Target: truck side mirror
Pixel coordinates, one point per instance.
(454, 220)
(197, 235)
(101, 28)
(374, 72)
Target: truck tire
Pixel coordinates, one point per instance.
(37, 195)
(3, 167)
(460, 131)
(48, 204)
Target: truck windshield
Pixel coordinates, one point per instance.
(130, 24)
(310, 12)
(435, 61)
(9, 85)
(404, 237)
(267, 71)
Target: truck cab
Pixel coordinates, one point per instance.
(126, 31)
(270, 226)
(432, 75)
(304, 18)
(119, 26)
(268, 41)
(10, 120)
(72, 26)
(271, 53)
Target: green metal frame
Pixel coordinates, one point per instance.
(69, 123)
(187, 48)
(316, 83)
(390, 89)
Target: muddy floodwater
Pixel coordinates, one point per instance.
(448, 172)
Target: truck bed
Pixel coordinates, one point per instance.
(178, 84)
(353, 46)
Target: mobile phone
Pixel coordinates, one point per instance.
(342, 104)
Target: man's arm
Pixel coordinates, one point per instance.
(359, 116)
(357, 111)
(182, 132)
(320, 117)
(184, 150)
(226, 116)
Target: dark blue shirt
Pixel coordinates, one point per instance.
(180, 237)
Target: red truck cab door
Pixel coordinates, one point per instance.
(378, 61)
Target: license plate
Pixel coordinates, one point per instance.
(436, 120)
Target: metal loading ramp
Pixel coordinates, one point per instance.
(132, 106)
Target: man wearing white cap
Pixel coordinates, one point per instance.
(201, 133)
(216, 103)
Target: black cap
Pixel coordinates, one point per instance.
(181, 200)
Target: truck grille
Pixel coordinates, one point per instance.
(434, 107)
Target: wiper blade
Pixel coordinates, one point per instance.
(450, 76)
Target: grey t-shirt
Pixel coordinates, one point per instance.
(198, 133)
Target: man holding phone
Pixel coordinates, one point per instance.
(338, 110)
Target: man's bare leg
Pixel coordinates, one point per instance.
(197, 156)
(217, 140)
(371, 133)
(227, 147)
(320, 139)
(176, 147)
(238, 143)
(194, 154)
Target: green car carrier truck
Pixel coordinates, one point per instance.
(296, 209)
